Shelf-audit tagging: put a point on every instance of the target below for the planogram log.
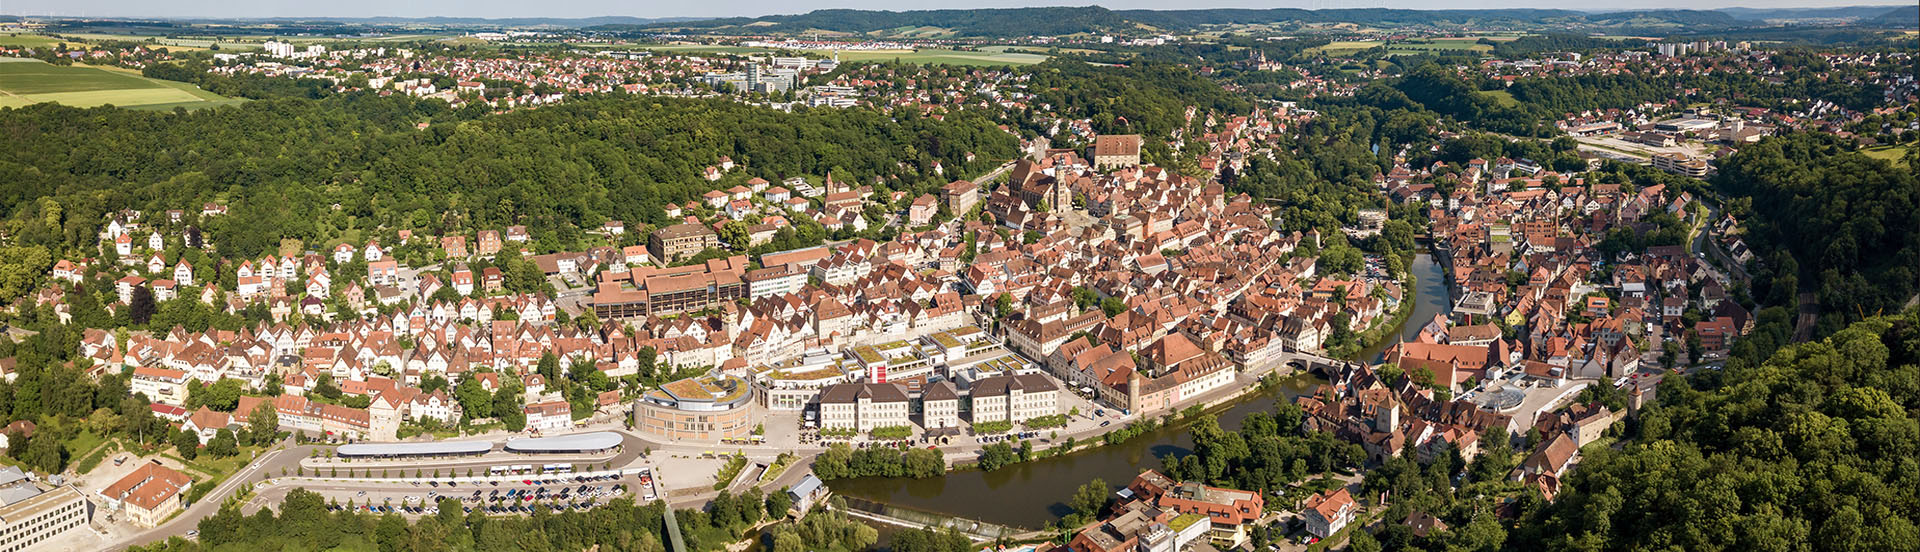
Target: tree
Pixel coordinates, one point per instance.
(140, 307)
(474, 400)
(1362, 541)
(1002, 305)
(997, 455)
(46, 453)
(921, 463)
(549, 366)
(1808, 411)
(735, 234)
(1091, 499)
(223, 395)
(507, 408)
(223, 444)
(778, 503)
(21, 269)
(188, 444)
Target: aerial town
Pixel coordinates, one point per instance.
(1297, 284)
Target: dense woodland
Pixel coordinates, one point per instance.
(1815, 449)
(1827, 220)
(310, 170)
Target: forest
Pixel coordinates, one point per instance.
(314, 169)
(1148, 98)
(1802, 78)
(1826, 219)
(1812, 450)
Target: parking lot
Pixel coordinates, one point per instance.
(556, 493)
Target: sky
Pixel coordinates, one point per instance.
(730, 8)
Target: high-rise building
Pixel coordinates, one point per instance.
(279, 49)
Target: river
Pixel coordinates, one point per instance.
(1032, 494)
(1430, 298)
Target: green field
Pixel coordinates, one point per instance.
(1413, 46)
(1343, 47)
(27, 40)
(1501, 96)
(923, 55)
(1439, 45)
(26, 82)
(1890, 154)
(949, 57)
(706, 49)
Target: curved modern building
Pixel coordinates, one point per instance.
(704, 407)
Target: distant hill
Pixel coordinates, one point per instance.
(1906, 17)
(993, 23)
(1843, 12)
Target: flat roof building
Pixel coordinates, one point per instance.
(707, 407)
(681, 241)
(404, 450)
(30, 514)
(647, 291)
(598, 441)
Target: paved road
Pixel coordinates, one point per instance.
(1809, 315)
(364, 492)
(271, 461)
(995, 173)
(286, 457)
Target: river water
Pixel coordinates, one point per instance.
(1033, 494)
(1430, 298)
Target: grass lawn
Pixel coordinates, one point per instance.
(1500, 96)
(86, 448)
(217, 469)
(26, 82)
(89, 462)
(1890, 154)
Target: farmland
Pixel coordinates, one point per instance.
(1412, 46)
(26, 82)
(27, 40)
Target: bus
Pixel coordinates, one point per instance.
(523, 468)
(557, 468)
(498, 470)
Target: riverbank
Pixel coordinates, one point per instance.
(1030, 495)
